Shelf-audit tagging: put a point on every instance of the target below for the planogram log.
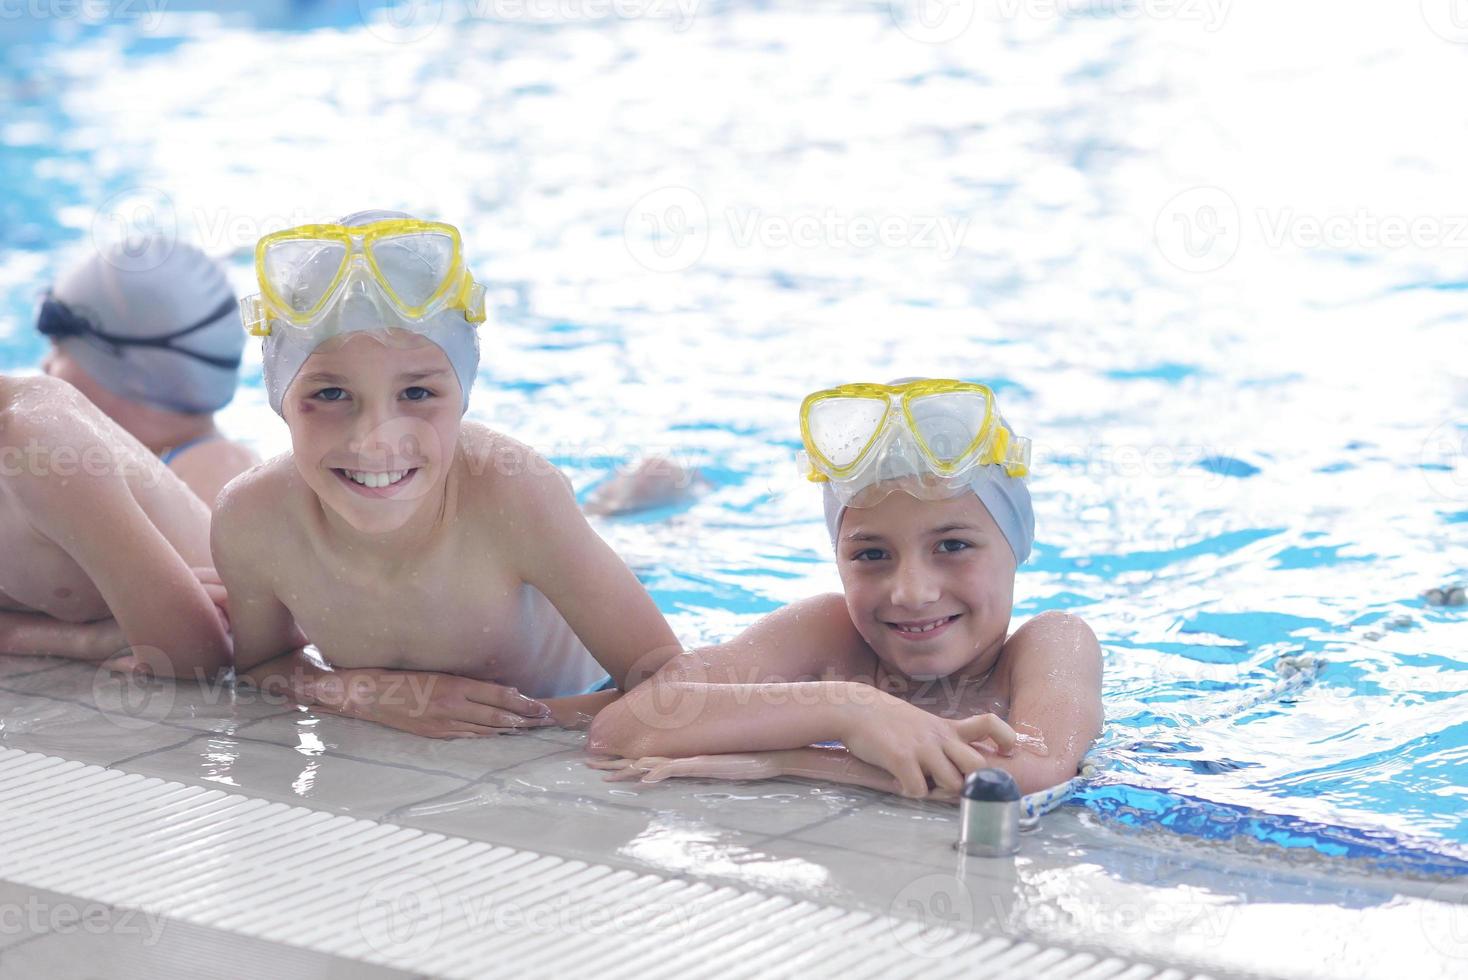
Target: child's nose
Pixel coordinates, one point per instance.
(913, 585)
(372, 433)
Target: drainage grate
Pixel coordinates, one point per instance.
(429, 903)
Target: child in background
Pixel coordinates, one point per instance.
(97, 539)
(150, 334)
(442, 571)
(912, 668)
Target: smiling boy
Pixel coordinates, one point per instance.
(442, 570)
(912, 667)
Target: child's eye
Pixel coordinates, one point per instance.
(868, 554)
(417, 394)
(331, 394)
(957, 545)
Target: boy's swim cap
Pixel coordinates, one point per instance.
(157, 325)
(286, 348)
(1005, 497)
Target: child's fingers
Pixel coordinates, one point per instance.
(910, 777)
(479, 714)
(504, 698)
(964, 756)
(943, 772)
(124, 664)
(634, 769)
(666, 768)
(611, 765)
(624, 776)
(979, 727)
(464, 729)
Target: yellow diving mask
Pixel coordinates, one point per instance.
(933, 434)
(406, 270)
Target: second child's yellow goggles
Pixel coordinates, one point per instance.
(406, 270)
(938, 430)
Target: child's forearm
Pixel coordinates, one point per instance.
(676, 718)
(834, 765)
(36, 634)
(578, 710)
(295, 674)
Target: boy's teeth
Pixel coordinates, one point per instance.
(375, 480)
(924, 629)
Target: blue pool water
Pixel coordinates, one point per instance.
(1168, 241)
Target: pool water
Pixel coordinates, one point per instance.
(1213, 263)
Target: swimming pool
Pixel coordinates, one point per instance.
(1248, 397)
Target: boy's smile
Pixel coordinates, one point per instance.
(929, 584)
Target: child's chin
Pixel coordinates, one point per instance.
(371, 516)
(924, 666)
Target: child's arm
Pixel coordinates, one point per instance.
(1055, 695)
(243, 552)
(814, 762)
(36, 634)
(167, 619)
(749, 695)
(590, 586)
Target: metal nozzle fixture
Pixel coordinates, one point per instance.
(988, 818)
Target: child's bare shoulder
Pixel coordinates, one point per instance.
(47, 411)
(261, 504)
(506, 476)
(52, 430)
(811, 636)
(1053, 637)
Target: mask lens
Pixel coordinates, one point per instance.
(840, 428)
(302, 271)
(414, 267)
(949, 422)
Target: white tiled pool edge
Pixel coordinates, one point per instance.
(427, 902)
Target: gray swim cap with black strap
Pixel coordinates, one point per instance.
(156, 323)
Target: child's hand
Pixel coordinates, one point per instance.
(214, 586)
(654, 769)
(915, 746)
(428, 703)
